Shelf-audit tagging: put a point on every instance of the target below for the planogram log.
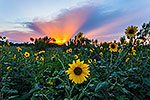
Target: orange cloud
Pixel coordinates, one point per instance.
(65, 25)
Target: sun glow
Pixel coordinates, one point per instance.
(64, 26)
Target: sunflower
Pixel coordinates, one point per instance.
(113, 47)
(41, 58)
(101, 53)
(131, 31)
(90, 60)
(127, 59)
(79, 36)
(26, 54)
(91, 50)
(41, 52)
(19, 49)
(94, 60)
(101, 47)
(75, 56)
(7, 42)
(78, 72)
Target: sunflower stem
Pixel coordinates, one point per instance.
(111, 61)
(72, 90)
(64, 70)
(85, 88)
(64, 86)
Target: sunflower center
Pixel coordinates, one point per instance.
(131, 31)
(77, 70)
(113, 46)
(79, 36)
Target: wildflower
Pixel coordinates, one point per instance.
(134, 53)
(135, 45)
(79, 53)
(129, 53)
(148, 57)
(131, 31)
(41, 52)
(137, 59)
(7, 42)
(0, 47)
(113, 47)
(78, 72)
(37, 58)
(100, 53)
(120, 50)
(76, 57)
(9, 52)
(50, 82)
(142, 41)
(101, 47)
(19, 49)
(90, 60)
(67, 51)
(26, 54)
(70, 50)
(35, 54)
(9, 68)
(94, 60)
(124, 44)
(91, 50)
(127, 59)
(41, 58)
(79, 36)
(14, 57)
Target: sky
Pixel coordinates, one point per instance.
(104, 20)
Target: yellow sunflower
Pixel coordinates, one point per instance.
(101, 53)
(42, 59)
(75, 56)
(113, 47)
(79, 36)
(26, 54)
(19, 49)
(78, 72)
(91, 50)
(41, 52)
(101, 47)
(90, 60)
(7, 42)
(131, 31)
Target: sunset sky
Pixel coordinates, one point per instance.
(104, 20)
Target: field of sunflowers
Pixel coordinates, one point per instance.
(81, 69)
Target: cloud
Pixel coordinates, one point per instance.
(14, 35)
(65, 25)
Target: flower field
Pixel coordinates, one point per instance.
(81, 69)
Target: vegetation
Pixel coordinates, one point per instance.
(82, 69)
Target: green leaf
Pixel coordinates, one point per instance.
(33, 90)
(101, 85)
(12, 97)
(125, 91)
(6, 89)
(25, 96)
(147, 81)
